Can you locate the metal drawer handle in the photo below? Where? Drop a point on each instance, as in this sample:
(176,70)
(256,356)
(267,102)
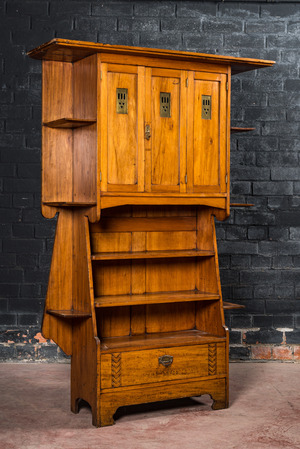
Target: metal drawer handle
(165,360)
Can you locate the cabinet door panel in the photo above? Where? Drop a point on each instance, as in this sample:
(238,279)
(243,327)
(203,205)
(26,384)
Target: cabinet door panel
(207,134)
(122,130)
(165,140)
(166,148)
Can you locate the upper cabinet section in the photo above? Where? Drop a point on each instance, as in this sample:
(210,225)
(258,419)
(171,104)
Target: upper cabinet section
(128,125)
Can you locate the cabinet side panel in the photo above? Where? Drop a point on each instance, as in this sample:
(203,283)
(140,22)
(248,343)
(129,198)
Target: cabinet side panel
(57,90)
(85,138)
(60,286)
(85,88)
(122,130)
(57,143)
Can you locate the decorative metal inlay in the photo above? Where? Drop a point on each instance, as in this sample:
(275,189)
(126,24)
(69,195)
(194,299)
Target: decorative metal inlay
(206,107)
(122,101)
(212,359)
(147,132)
(165,104)
(116,370)
(165,360)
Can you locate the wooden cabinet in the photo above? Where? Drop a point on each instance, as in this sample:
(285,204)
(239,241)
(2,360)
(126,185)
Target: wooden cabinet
(135,162)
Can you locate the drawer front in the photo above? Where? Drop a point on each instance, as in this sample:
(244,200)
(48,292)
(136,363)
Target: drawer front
(156,365)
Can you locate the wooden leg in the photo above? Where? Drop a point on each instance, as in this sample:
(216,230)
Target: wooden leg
(75,405)
(103,416)
(219,401)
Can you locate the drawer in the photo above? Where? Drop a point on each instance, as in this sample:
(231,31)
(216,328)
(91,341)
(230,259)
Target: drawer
(165,364)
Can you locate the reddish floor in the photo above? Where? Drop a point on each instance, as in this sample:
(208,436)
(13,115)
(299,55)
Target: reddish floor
(264,413)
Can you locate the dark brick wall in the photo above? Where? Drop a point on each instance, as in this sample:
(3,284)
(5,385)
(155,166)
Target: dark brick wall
(259,247)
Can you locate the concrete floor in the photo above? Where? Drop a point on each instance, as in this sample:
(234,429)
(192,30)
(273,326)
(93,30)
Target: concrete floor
(264,413)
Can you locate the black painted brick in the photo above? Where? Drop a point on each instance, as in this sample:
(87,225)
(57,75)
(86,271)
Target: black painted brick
(263,321)
(112,9)
(293,337)
(155,9)
(7,352)
(191,9)
(239,353)
(264,336)
(241,321)
(283,321)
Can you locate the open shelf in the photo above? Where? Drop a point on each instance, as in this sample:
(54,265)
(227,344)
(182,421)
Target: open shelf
(69,314)
(237,129)
(231,306)
(241,205)
(158,340)
(69,203)
(152,255)
(69,123)
(154,298)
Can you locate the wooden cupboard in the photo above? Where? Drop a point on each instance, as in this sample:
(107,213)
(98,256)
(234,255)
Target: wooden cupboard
(135,162)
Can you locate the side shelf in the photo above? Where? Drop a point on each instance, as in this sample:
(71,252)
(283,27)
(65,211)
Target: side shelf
(69,314)
(67,123)
(231,306)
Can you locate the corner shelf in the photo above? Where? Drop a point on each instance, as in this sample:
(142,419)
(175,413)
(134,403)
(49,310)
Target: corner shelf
(69,314)
(70,203)
(237,129)
(153,298)
(158,340)
(67,123)
(152,254)
(231,306)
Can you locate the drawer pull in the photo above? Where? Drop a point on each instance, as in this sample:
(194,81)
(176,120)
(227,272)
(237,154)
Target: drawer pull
(165,360)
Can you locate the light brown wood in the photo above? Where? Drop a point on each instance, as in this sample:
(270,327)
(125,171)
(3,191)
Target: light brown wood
(68,50)
(134,291)
(153,298)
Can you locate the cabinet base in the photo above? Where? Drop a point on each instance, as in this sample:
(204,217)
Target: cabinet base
(108,403)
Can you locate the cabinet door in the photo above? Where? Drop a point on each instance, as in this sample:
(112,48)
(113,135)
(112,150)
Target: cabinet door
(166,118)
(121,128)
(207,133)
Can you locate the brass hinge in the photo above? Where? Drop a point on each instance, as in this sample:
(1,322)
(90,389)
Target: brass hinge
(227,86)
(187,82)
(100,75)
(100,176)
(185,179)
(226,179)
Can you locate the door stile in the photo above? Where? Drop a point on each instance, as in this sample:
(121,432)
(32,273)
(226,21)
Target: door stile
(140,129)
(190,131)
(183,130)
(103,128)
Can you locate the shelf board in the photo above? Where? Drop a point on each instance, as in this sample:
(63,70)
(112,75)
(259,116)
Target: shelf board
(241,205)
(69,314)
(69,203)
(237,129)
(154,298)
(152,255)
(69,123)
(231,306)
(158,340)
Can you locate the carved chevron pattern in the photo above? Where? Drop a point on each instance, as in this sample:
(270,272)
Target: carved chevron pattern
(116,370)
(212,359)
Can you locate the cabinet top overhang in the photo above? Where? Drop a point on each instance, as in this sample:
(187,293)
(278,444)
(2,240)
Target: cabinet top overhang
(66,50)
